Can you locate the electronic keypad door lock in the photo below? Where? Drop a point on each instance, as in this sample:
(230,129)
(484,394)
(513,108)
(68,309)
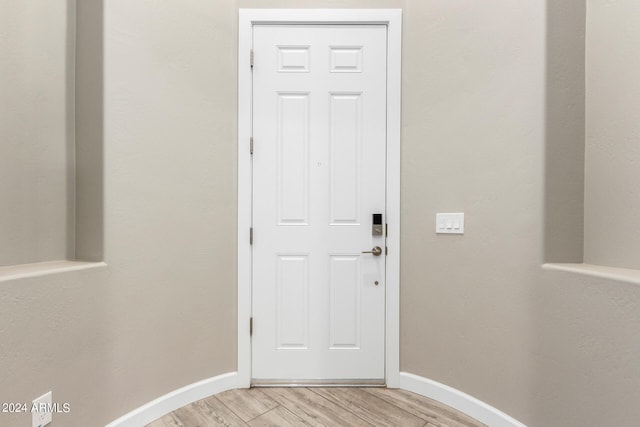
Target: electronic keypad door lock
(376,225)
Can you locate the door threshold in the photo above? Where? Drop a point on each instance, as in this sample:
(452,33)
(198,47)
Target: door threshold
(318,383)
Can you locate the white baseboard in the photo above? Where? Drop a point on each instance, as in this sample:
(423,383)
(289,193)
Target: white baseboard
(176,399)
(457,399)
(461,401)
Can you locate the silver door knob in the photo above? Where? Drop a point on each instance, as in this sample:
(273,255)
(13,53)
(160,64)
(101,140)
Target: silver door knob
(376,251)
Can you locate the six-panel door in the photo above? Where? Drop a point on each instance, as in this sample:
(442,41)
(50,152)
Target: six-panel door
(319,127)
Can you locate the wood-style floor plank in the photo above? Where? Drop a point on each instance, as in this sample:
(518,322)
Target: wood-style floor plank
(314,409)
(210,412)
(278,417)
(169,420)
(428,409)
(221,414)
(248,403)
(193,414)
(318,407)
(371,408)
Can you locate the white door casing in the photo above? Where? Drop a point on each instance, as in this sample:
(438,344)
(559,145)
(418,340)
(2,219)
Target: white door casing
(319,135)
(301,173)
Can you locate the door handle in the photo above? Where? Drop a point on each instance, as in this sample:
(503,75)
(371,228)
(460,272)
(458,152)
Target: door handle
(376,251)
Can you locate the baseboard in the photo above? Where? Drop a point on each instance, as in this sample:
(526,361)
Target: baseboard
(457,399)
(176,399)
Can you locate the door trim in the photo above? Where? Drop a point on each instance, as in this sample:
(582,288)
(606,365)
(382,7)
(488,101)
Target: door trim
(392,18)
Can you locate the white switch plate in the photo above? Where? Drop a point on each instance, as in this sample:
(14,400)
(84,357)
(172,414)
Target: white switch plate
(450,223)
(42,418)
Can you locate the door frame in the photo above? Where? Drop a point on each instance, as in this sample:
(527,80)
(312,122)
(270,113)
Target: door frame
(392,19)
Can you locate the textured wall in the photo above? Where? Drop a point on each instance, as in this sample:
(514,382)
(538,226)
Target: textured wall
(586,331)
(89,115)
(162,314)
(169,195)
(585,352)
(564,131)
(612,193)
(548,348)
(478,313)
(473,142)
(35,135)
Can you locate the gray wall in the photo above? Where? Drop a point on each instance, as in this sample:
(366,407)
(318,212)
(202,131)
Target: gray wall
(586,330)
(473,142)
(564,131)
(36,131)
(612,193)
(162,314)
(477,311)
(89,129)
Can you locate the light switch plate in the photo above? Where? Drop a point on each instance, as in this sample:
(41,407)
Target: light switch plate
(450,223)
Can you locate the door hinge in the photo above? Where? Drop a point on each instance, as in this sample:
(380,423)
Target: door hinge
(251,58)
(386,250)
(251,145)
(251,236)
(250,326)
(386,230)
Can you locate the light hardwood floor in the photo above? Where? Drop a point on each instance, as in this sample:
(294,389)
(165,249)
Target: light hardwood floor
(340,406)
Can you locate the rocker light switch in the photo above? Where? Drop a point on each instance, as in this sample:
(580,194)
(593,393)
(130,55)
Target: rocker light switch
(450,223)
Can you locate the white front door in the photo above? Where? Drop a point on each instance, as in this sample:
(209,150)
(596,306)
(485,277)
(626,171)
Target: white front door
(319,130)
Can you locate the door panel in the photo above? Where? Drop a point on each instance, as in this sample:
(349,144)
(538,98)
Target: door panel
(292,135)
(292,308)
(345,139)
(319,117)
(344,302)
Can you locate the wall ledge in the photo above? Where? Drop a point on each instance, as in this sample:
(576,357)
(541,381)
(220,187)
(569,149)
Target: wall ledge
(457,399)
(624,275)
(177,399)
(36,269)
